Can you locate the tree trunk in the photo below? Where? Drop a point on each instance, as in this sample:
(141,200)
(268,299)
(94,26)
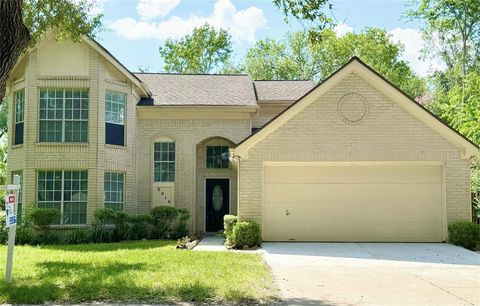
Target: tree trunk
(14,39)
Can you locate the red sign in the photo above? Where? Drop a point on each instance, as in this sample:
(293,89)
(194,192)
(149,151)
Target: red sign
(11,198)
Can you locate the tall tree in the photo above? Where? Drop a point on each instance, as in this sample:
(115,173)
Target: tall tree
(452,32)
(205,50)
(23,22)
(297,57)
(310,13)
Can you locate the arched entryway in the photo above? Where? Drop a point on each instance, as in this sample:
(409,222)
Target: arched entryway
(216,184)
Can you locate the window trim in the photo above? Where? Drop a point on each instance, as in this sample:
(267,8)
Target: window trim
(123,191)
(62,195)
(63,120)
(206,157)
(17,122)
(165,140)
(124,118)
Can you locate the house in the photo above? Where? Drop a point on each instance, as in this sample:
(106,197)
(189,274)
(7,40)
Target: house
(351,159)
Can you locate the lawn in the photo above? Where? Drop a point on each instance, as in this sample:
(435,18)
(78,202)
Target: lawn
(144,271)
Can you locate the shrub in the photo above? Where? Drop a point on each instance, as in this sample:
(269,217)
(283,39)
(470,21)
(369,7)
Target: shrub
(246,233)
(465,234)
(170,222)
(3,229)
(24,234)
(141,227)
(121,227)
(44,217)
(78,236)
(229,222)
(46,237)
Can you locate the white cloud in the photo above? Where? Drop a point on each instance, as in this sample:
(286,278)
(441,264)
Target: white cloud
(149,9)
(413,42)
(341,29)
(241,24)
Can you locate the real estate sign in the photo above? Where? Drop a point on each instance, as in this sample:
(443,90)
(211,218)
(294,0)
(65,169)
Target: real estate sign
(10,213)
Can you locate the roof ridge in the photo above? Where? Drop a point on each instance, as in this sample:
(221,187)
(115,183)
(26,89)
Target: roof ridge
(198,74)
(266,80)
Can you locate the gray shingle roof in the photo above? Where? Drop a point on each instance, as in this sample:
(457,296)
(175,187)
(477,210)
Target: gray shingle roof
(282,90)
(206,90)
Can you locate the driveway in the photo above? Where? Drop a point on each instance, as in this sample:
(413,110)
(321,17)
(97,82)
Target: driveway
(375,273)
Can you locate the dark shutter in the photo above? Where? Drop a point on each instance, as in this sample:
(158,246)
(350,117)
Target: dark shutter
(114,134)
(18,133)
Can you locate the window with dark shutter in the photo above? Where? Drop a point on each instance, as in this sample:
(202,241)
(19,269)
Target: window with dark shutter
(115,118)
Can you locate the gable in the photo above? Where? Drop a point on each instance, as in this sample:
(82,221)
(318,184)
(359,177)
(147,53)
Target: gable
(345,93)
(62,58)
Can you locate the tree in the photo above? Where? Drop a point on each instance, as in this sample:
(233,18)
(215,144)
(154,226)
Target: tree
(297,57)
(311,12)
(452,30)
(23,22)
(205,50)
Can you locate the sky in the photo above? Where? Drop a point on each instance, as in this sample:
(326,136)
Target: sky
(134,29)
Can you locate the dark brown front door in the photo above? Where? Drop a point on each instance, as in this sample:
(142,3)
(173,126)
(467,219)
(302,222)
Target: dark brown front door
(217,203)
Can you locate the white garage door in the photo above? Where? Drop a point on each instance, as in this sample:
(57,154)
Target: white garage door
(308,202)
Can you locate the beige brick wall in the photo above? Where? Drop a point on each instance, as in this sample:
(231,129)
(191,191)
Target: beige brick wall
(94,156)
(388,134)
(187,133)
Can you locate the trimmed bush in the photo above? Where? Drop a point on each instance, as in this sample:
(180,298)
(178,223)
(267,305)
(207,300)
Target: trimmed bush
(229,222)
(141,227)
(246,233)
(170,222)
(44,217)
(465,234)
(78,236)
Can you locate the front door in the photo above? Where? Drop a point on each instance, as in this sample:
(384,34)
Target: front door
(217,203)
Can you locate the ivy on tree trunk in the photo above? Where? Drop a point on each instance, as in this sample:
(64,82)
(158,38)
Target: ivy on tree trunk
(14,39)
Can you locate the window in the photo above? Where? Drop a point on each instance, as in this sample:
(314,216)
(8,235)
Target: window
(114,118)
(20,195)
(65,191)
(113,189)
(19,97)
(164,161)
(217,157)
(63,115)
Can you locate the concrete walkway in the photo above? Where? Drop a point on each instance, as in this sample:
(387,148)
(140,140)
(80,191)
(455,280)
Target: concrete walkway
(211,243)
(375,273)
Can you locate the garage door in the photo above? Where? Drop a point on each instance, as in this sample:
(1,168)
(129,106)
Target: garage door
(391,203)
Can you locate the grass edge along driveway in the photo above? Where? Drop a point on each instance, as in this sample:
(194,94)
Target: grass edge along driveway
(141,271)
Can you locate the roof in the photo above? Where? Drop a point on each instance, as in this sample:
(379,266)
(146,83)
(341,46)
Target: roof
(355,65)
(198,89)
(268,90)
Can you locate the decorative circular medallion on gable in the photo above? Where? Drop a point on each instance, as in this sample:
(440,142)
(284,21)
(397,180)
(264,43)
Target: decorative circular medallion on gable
(353,108)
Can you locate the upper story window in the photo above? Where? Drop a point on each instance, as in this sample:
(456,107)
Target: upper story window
(19,97)
(217,157)
(114,118)
(164,161)
(66,191)
(63,115)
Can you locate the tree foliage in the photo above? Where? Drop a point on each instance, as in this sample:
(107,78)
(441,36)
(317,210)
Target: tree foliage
(297,57)
(452,35)
(23,22)
(310,13)
(205,50)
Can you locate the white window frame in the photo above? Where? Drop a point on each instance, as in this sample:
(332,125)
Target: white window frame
(160,161)
(62,195)
(121,193)
(63,110)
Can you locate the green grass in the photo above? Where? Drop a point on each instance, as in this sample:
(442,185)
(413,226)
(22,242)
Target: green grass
(144,271)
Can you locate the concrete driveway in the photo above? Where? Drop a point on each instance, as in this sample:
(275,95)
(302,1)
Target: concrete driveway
(375,273)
